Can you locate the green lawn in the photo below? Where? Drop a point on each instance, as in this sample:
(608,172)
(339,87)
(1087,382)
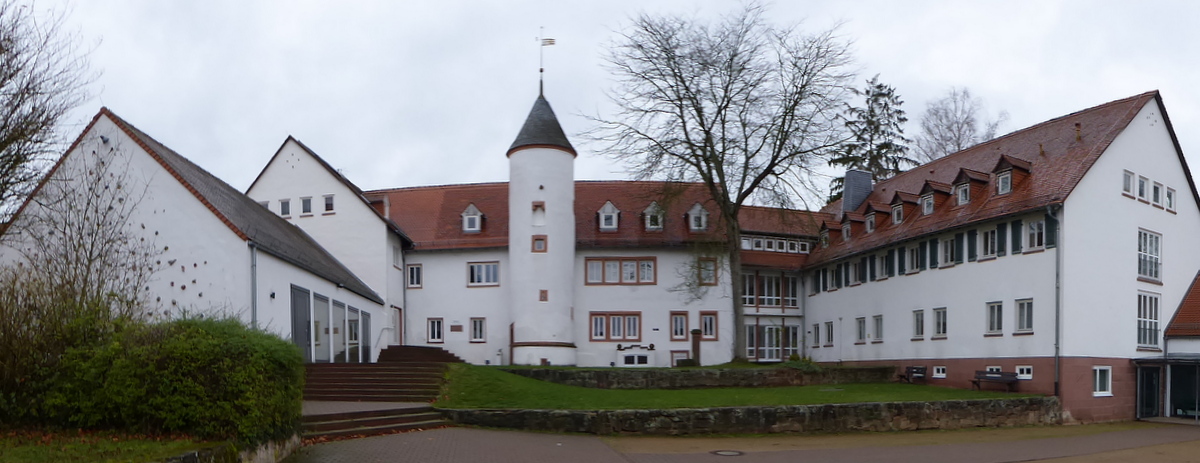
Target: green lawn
(470,386)
(102,447)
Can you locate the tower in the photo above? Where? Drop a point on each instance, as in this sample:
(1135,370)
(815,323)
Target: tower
(541,240)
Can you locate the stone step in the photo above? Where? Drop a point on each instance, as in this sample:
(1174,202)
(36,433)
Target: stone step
(369,422)
(340,416)
(316,391)
(351,396)
(350,382)
(372,430)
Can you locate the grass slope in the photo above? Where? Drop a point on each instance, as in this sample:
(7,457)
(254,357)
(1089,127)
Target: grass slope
(470,386)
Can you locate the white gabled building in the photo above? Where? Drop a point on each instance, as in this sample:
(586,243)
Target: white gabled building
(222,254)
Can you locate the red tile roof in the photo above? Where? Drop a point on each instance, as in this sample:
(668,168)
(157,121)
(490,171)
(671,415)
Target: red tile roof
(432,216)
(1186,321)
(1056,153)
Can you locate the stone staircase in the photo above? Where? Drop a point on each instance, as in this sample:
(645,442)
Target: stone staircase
(371,422)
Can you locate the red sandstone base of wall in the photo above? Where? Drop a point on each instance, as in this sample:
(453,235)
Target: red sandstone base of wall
(1075,391)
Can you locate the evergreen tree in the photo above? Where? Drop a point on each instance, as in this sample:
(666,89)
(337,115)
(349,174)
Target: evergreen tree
(877,144)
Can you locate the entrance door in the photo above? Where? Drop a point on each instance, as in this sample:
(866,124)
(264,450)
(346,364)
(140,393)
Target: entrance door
(301,324)
(771,344)
(1148,391)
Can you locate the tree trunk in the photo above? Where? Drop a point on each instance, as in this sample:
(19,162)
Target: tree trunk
(733,234)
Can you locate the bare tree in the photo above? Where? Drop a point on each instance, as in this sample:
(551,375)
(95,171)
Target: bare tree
(43,76)
(951,124)
(745,107)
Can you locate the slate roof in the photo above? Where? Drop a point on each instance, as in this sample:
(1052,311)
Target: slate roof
(1186,321)
(432,216)
(1056,153)
(245,217)
(340,178)
(541,129)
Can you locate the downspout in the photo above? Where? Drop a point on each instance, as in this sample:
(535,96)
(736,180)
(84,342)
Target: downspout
(253,285)
(1057,300)
(803,296)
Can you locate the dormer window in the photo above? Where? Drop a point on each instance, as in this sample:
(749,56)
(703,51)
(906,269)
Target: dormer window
(654,217)
(870,223)
(1004,182)
(963,193)
(846,231)
(472,220)
(609,214)
(824,238)
(927,204)
(897,214)
(697,218)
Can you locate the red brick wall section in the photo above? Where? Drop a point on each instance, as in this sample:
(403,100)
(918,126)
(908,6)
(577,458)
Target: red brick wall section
(1078,403)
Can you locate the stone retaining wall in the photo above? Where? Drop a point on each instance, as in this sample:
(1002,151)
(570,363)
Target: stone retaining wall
(662,378)
(270,452)
(894,416)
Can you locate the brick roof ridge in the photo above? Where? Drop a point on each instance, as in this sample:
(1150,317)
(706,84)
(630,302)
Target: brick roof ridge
(443,186)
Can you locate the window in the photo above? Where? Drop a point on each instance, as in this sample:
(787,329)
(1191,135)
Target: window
(939,372)
(539,243)
(853,273)
(266,204)
(992,369)
(1147,319)
(816,335)
(914,259)
(861,323)
(1149,264)
(878,321)
(608,216)
(1036,234)
(697,218)
(995,317)
(948,252)
(1171,199)
(846,231)
(1156,194)
(328,203)
(1024,371)
(415,279)
(397,257)
(433,332)
(679,326)
(1127,183)
(635,359)
(824,238)
(285,207)
(708,271)
(791,291)
(708,326)
(828,333)
(1024,315)
(472,220)
(988,243)
(897,214)
(483,274)
(749,289)
(882,266)
(1102,381)
(478,330)
(306,205)
(870,223)
(927,204)
(616,326)
(963,193)
(654,217)
(939,322)
(918,324)
(620,271)
(1004,183)
(770,290)
(1143,186)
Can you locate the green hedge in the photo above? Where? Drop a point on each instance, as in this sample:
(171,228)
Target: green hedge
(213,379)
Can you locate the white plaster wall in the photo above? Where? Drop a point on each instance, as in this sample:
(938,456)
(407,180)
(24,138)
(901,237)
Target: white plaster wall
(353,233)
(655,302)
(276,276)
(395,297)
(445,295)
(1189,345)
(1100,231)
(545,175)
(964,290)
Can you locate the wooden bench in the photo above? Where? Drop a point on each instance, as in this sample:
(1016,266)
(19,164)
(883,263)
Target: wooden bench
(1009,378)
(912,373)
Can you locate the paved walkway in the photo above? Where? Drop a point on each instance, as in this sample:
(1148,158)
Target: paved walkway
(465,444)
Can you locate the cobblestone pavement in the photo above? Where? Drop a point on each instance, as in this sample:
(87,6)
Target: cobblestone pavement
(480,445)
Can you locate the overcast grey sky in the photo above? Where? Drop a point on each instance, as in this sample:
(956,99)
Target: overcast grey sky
(408,93)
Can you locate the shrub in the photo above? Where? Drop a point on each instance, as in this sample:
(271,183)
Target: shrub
(804,364)
(214,379)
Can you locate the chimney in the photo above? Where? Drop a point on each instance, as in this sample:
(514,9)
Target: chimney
(857,187)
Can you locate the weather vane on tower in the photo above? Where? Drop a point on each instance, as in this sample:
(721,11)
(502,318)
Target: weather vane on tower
(545,42)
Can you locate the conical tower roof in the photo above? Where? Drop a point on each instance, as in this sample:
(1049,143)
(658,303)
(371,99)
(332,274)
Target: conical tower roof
(541,129)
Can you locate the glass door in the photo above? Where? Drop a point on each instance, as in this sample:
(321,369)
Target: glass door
(1148,391)
(771,343)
